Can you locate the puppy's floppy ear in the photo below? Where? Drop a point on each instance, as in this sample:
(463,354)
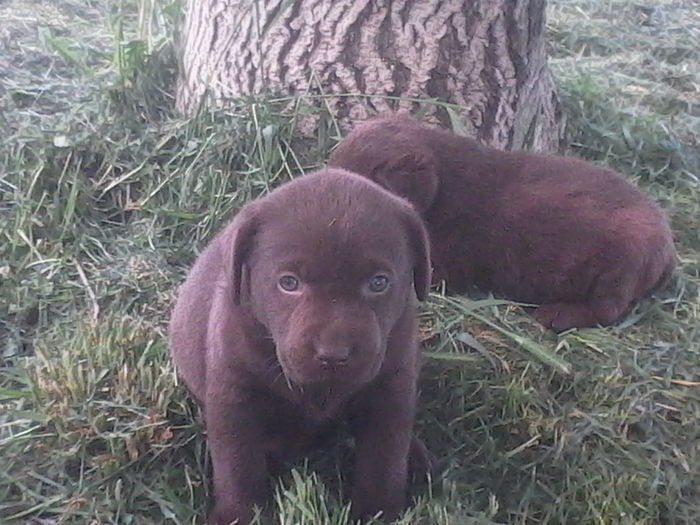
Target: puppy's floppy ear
(420,249)
(413,176)
(241,242)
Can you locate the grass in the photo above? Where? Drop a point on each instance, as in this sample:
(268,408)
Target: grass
(106,196)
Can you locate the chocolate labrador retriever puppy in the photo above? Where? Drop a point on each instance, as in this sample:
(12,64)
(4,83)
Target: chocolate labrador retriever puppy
(301,311)
(575,239)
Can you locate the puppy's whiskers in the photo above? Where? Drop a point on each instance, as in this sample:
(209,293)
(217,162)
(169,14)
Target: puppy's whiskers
(289,382)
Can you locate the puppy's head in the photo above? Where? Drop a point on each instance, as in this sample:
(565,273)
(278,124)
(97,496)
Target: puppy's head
(328,264)
(392,151)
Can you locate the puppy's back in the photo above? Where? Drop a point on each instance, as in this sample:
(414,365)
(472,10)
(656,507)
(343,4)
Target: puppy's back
(536,228)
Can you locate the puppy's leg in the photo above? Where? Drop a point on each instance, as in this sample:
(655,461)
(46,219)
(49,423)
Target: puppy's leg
(562,316)
(238,461)
(421,461)
(598,311)
(383,428)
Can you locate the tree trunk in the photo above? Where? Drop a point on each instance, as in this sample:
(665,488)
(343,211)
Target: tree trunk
(485,56)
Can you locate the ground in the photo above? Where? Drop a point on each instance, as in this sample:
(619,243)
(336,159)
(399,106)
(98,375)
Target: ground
(105,197)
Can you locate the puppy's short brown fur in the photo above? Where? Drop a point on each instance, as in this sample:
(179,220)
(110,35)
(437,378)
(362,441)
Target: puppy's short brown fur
(576,239)
(303,310)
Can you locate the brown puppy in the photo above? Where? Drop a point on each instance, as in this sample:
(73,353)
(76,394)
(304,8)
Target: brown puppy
(577,240)
(303,310)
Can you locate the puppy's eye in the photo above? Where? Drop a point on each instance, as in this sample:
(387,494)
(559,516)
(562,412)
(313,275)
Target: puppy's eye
(288,283)
(378,283)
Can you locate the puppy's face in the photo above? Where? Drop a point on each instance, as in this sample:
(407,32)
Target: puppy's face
(329,277)
(329,308)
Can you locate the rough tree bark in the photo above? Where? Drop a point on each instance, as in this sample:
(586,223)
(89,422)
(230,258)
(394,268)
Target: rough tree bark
(487,56)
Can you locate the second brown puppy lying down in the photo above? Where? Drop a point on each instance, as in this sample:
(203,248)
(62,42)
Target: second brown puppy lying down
(576,239)
(302,311)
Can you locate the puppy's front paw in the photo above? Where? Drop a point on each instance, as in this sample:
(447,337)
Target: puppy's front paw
(227,515)
(562,316)
(368,501)
(362,513)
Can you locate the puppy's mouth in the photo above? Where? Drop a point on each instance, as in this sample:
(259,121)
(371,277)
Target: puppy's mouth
(314,373)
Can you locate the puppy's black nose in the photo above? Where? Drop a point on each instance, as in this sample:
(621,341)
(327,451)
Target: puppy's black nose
(333,356)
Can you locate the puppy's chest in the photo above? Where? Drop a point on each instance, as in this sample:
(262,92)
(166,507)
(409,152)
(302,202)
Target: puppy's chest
(291,428)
